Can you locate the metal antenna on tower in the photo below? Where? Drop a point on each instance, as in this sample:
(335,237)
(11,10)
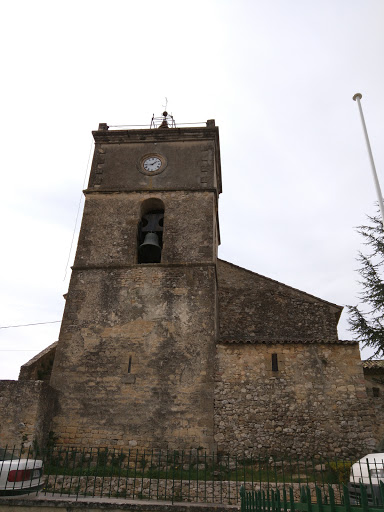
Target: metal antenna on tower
(357,97)
(166,121)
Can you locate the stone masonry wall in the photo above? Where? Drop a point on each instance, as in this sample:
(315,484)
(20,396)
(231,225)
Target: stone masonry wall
(374,383)
(202,491)
(108,235)
(191,164)
(316,403)
(25,411)
(377,403)
(253,307)
(135,359)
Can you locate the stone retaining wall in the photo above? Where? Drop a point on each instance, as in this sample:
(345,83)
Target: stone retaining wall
(224,492)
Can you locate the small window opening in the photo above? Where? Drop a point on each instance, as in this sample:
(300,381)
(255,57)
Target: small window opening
(376,391)
(129,364)
(275,366)
(150,237)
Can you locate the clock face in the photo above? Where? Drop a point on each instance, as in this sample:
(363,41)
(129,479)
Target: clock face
(151,164)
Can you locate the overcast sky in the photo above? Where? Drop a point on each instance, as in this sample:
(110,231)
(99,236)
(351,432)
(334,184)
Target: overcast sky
(277,75)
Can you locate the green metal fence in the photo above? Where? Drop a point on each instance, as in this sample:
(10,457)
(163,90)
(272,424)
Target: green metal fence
(273,501)
(258,483)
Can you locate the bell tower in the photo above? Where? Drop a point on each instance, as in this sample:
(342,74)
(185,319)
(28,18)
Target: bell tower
(134,365)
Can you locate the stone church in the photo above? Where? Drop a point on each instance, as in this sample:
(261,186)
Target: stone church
(162,344)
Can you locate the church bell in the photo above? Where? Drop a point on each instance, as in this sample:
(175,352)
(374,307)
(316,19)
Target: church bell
(150,250)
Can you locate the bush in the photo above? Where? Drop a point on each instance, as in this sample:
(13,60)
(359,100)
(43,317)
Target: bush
(338,472)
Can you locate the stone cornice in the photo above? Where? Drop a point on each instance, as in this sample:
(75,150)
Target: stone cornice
(119,266)
(148,135)
(145,191)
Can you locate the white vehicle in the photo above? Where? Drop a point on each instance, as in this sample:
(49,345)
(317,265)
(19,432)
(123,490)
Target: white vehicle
(368,471)
(19,476)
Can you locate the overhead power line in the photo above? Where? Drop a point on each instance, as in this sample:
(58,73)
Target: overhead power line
(78,211)
(27,325)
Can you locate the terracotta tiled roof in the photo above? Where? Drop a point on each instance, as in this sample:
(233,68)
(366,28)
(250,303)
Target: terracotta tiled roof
(373,363)
(282,341)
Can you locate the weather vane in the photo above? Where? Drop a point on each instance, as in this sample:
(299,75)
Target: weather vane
(166,103)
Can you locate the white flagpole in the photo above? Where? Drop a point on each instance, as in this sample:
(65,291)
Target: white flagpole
(357,97)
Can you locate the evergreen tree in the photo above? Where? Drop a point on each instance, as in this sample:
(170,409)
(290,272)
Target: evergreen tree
(369,326)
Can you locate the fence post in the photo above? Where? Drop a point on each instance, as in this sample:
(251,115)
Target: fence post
(242,499)
(347,501)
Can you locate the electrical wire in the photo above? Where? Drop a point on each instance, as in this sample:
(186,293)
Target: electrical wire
(78,211)
(66,268)
(27,325)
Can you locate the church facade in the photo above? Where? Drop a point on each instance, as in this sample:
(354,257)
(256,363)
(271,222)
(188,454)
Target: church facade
(163,345)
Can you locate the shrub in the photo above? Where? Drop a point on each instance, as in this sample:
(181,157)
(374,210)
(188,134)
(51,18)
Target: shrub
(338,472)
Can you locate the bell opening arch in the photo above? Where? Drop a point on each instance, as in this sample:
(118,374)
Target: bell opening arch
(150,231)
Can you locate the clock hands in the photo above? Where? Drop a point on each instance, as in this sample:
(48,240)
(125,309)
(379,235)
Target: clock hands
(152,164)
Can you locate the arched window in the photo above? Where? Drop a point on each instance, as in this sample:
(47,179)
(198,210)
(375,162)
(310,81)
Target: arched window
(150,232)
